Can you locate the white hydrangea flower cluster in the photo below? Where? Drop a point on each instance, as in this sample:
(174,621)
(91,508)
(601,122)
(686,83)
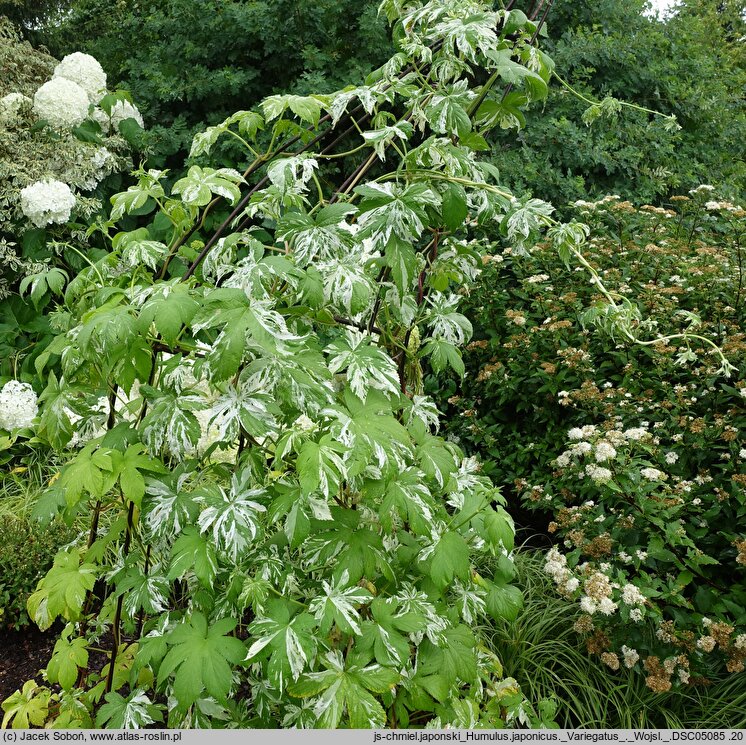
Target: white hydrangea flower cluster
(18,405)
(84,70)
(62,103)
(46,202)
(119,112)
(11,105)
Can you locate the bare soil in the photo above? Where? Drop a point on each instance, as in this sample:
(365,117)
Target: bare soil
(22,654)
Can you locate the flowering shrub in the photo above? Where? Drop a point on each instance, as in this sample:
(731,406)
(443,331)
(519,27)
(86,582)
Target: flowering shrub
(636,450)
(270,508)
(56,165)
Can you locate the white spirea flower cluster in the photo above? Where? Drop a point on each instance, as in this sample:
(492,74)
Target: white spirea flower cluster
(18,406)
(62,103)
(631,595)
(653,474)
(599,474)
(84,70)
(605,451)
(556,567)
(630,656)
(46,202)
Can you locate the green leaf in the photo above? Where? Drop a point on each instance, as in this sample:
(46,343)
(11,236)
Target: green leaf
(450,559)
(63,590)
(385,634)
(499,528)
(193,551)
(129,468)
(67,657)
(453,207)
(200,659)
(320,467)
(27,706)
(505,602)
(442,355)
(436,458)
(132,132)
(455,660)
(170,307)
(86,472)
(306,108)
(199,185)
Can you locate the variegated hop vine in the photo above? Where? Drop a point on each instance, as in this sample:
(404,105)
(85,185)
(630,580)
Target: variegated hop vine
(276,535)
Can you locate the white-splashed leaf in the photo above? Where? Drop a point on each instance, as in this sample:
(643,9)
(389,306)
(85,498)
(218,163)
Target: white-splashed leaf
(338,604)
(200,184)
(367,366)
(232,516)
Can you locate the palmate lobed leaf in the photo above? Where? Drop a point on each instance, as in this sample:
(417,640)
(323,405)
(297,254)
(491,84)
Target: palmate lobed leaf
(290,640)
(28,706)
(63,590)
(340,689)
(200,184)
(133,712)
(67,657)
(200,659)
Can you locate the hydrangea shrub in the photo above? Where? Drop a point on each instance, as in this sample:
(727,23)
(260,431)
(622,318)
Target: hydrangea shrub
(57,164)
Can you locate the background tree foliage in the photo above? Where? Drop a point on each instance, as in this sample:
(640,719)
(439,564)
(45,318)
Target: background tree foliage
(197,61)
(691,66)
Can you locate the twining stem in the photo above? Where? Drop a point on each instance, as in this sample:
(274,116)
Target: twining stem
(591,102)
(116,626)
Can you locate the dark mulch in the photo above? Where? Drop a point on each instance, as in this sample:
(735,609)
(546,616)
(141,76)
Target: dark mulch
(22,655)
